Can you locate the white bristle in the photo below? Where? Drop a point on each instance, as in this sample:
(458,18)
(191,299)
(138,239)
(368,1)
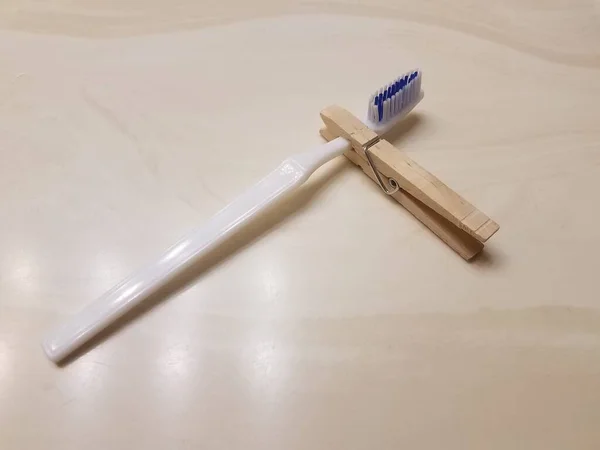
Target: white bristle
(397,103)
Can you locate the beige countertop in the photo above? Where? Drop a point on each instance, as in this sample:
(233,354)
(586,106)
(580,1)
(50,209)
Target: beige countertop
(337,321)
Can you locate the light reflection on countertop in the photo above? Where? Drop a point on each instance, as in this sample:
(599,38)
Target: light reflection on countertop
(6,365)
(21,269)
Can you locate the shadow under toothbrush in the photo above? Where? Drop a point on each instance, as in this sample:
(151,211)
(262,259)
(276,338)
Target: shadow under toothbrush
(271,218)
(276,215)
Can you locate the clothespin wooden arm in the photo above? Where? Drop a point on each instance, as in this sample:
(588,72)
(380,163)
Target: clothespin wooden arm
(458,223)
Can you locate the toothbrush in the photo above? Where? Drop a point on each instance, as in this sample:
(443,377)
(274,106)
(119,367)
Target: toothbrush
(386,107)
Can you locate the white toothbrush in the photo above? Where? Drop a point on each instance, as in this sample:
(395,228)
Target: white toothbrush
(386,107)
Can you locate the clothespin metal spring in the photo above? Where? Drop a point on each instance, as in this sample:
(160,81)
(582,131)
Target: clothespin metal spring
(379,176)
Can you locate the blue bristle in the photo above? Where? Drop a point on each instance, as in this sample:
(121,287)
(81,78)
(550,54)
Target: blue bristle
(392,94)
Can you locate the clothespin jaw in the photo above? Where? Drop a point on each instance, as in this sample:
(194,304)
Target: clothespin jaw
(454,220)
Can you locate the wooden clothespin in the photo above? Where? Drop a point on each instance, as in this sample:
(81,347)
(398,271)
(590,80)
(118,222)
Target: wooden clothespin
(453,219)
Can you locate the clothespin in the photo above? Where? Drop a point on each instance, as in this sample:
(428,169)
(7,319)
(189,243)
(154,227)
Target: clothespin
(453,219)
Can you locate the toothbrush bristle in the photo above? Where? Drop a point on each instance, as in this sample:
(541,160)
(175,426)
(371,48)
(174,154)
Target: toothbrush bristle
(393,98)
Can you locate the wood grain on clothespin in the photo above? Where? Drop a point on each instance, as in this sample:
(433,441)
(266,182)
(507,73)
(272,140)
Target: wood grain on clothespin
(453,219)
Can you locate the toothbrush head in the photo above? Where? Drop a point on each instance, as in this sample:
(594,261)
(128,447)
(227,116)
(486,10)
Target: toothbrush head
(394,100)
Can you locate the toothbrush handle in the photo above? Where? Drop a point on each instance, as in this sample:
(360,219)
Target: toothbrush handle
(135,289)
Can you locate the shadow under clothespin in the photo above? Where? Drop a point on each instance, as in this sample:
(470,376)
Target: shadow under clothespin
(452,218)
